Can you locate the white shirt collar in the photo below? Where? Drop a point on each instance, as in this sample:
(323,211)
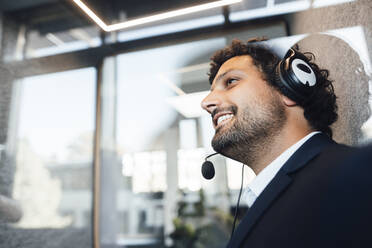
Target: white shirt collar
(259,183)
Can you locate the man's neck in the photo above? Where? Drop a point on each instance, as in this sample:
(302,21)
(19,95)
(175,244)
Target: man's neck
(274,147)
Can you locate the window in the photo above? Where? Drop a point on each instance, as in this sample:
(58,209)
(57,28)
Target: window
(52,175)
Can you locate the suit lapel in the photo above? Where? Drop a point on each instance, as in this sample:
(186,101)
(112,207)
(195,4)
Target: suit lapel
(280,182)
(277,185)
(306,152)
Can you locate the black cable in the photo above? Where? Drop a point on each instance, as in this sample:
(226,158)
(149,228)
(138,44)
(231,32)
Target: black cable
(210,155)
(237,205)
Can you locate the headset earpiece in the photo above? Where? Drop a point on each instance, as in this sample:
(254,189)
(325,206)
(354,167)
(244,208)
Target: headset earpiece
(295,77)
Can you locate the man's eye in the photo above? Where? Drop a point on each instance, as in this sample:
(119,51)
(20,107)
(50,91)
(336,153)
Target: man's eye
(230,81)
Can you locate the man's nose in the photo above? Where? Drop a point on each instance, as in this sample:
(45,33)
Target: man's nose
(210,102)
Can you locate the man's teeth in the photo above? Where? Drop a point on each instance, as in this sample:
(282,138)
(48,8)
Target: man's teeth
(223,117)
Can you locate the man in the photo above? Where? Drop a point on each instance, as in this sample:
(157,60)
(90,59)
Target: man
(305,193)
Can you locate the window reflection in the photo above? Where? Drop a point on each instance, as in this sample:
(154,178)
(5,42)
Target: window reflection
(162,138)
(189,161)
(39,45)
(53,162)
(147,171)
(257,9)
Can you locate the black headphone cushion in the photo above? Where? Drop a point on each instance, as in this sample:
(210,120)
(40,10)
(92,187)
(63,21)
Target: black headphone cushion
(283,89)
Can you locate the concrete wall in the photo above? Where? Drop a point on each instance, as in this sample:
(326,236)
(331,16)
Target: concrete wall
(340,56)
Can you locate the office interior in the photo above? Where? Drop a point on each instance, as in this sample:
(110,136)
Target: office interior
(102,135)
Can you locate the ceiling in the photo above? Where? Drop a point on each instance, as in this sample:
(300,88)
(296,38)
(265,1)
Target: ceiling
(6,5)
(50,16)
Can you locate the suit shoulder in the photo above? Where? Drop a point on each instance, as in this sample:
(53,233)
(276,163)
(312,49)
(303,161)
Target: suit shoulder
(352,166)
(335,153)
(358,159)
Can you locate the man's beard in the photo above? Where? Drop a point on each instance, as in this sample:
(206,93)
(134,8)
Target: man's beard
(253,129)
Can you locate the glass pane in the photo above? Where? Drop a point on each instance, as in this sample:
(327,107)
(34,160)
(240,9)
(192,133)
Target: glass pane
(152,188)
(178,24)
(247,10)
(246,5)
(160,137)
(154,141)
(52,167)
(284,1)
(39,45)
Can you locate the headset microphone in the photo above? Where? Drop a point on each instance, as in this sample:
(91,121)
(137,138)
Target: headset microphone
(208,168)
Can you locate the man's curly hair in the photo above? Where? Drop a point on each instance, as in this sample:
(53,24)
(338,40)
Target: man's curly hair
(320,109)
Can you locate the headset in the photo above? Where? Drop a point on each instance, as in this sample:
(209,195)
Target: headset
(295,77)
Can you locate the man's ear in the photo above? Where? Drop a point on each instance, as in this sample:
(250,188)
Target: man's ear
(288,102)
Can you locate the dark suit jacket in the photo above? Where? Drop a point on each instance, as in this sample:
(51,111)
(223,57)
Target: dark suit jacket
(321,197)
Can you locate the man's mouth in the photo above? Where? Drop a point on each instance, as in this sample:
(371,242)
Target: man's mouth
(221,118)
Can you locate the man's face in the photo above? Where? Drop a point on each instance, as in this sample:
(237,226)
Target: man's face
(246,112)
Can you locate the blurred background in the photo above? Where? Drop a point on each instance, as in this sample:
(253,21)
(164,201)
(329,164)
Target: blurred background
(101,132)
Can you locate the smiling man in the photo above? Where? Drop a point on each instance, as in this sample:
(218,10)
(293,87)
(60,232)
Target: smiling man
(274,116)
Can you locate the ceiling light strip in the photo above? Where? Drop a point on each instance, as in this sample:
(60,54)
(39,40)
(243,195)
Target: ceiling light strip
(153,18)
(170,14)
(91,14)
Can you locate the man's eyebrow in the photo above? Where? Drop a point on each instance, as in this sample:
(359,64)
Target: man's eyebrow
(222,75)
